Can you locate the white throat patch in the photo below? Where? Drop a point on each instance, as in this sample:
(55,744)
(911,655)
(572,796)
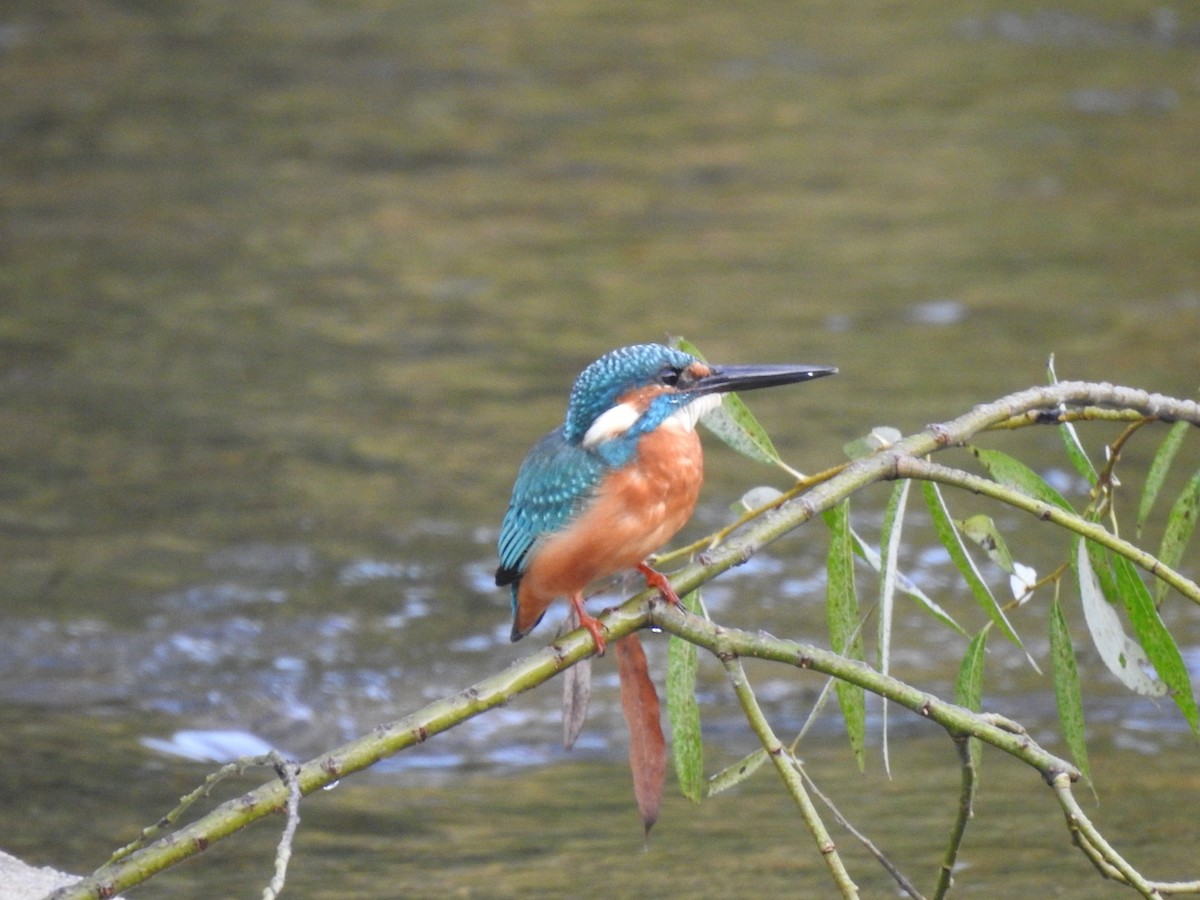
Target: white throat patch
(687,417)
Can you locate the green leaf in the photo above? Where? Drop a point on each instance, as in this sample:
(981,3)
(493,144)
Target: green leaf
(845,634)
(1123,656)
(1160,647)
(1159,467)
(687,749)
(734,424)
(737,773)
(1178,532)
(950,539)
(968,689)
(982,530)
(1013,473)
(1067,691)
(1075,452)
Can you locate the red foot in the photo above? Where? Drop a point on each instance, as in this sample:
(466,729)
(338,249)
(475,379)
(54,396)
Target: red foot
(590,623)
(658,580)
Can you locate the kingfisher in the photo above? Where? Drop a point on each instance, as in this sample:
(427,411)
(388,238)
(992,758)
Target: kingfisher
(618,478)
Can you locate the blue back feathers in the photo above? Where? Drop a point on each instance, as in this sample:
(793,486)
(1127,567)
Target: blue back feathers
(560,475)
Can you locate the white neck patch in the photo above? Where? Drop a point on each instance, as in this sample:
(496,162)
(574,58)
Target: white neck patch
(611,423)
(616,421)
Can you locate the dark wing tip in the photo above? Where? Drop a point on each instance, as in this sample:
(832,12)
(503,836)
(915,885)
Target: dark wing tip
(507,575)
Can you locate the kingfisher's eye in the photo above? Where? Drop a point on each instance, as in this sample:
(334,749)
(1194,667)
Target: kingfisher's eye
(669,375)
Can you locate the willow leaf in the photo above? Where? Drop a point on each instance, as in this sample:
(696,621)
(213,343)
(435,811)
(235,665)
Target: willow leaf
(734,424)
(948,534)
(687,750)
(1123,656)
(1157,473)
(889,540)
(1067,691)
(968,689)
(737,773)
(982,530)
(647,746)
(1013,473)
(1156,640)
(841,607)
(1178,532)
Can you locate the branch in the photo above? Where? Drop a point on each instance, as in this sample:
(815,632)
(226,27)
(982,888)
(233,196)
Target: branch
(535,669)
(791,776)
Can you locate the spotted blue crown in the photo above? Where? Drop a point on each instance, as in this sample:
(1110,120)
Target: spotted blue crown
(600,386)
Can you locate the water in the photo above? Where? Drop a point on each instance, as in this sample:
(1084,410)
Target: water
(286,293)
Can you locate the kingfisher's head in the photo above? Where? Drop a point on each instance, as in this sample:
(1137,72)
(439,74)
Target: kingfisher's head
(631,391)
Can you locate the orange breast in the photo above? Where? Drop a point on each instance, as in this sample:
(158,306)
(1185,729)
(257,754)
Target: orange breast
(637,510)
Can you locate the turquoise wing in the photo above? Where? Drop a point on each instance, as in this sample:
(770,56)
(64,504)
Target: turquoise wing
(555,481)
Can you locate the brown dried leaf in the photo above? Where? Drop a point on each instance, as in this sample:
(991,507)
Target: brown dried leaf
(647,746)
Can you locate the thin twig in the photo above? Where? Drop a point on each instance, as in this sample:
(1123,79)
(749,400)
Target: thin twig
(892,869)
(283,852)
(789,774)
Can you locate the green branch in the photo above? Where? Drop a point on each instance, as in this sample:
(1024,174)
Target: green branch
(791,776)
(1036,405)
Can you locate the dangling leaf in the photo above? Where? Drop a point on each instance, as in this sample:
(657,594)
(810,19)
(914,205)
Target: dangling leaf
(1179,528)
(687,750)
(1014,474)
(982,530)
(1067,690)
(577,689)
(647,747)
(1123,656)
(1159,467)
(948,535)
(889,541)
(841,607)
(736,773)
(968,689)
(1075,452)
(1160,647)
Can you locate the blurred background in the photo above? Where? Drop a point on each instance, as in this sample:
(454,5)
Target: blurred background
(288,289)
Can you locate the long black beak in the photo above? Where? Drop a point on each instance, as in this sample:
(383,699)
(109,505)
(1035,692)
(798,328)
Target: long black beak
(748,378)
